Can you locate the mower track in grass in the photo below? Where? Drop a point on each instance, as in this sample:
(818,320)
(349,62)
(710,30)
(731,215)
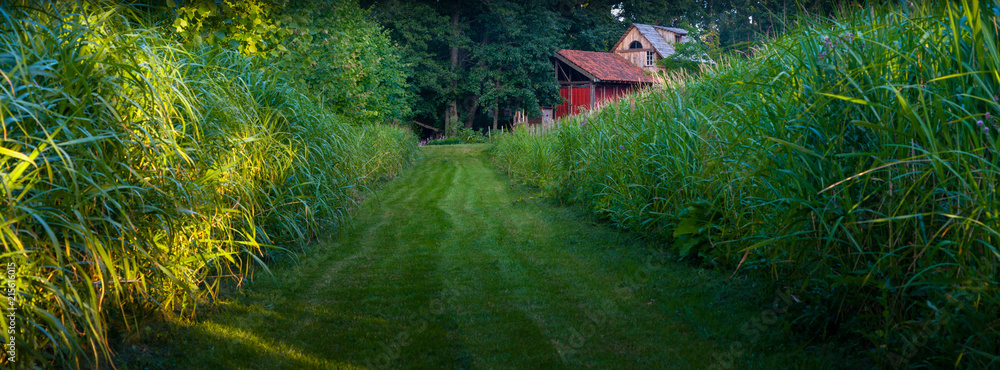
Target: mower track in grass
(450,266)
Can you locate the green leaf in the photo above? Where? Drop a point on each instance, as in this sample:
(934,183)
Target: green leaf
(794,146)
(847,98)
(180,24)
(954,75)
(16,154)
(687,246)
(204,10)
(688,226)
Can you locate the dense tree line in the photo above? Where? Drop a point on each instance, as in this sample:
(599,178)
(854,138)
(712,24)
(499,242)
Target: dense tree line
(469,60)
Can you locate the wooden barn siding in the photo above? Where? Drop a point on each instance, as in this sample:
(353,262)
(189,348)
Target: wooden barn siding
(667,35)
(637,57)
(632,35)
(575,99)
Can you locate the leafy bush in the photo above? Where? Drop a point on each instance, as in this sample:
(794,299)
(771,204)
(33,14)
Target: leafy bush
(450,141)
(463,136)
(688,56)
(857,160)
(138,175)
(470,136)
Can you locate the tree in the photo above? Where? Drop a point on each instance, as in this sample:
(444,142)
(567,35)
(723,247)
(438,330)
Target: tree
(509,57)
(337,53)
(590,25)
(423,34)
(466,56)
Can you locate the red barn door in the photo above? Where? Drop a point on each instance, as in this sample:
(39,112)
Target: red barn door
(581,98)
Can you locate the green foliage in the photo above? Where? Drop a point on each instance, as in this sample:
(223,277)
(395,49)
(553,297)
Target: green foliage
(590,25)
(462,136)
(688,56)
(510,64)
(856,160)
(138,175)
(345,59)
(336,53)
(247,25)
(470,136)
(422,34)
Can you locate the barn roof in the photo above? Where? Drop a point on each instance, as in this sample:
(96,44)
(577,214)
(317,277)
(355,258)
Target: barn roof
(679,31)
(609,67)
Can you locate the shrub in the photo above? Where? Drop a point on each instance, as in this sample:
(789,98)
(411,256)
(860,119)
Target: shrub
(470,136)
(463,136)
(449,141)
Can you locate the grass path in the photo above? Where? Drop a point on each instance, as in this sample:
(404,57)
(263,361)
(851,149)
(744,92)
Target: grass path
(453,267)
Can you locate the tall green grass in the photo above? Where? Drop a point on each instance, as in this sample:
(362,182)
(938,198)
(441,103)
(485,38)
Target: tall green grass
(857,159)
(137,175)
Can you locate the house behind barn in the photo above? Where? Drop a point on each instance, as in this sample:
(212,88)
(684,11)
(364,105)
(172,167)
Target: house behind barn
(643,45)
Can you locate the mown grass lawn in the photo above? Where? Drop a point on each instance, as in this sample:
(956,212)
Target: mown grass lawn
(451,266)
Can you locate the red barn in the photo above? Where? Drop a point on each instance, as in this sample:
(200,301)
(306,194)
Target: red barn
(589,78)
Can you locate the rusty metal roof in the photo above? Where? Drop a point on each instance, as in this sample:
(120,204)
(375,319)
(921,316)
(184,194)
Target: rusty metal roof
(609,67)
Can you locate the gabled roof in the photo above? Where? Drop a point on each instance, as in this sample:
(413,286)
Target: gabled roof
(608,67)
(663,47)
(679,31)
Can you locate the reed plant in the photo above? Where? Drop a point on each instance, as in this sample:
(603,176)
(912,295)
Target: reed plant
(855,159)
(139,174)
